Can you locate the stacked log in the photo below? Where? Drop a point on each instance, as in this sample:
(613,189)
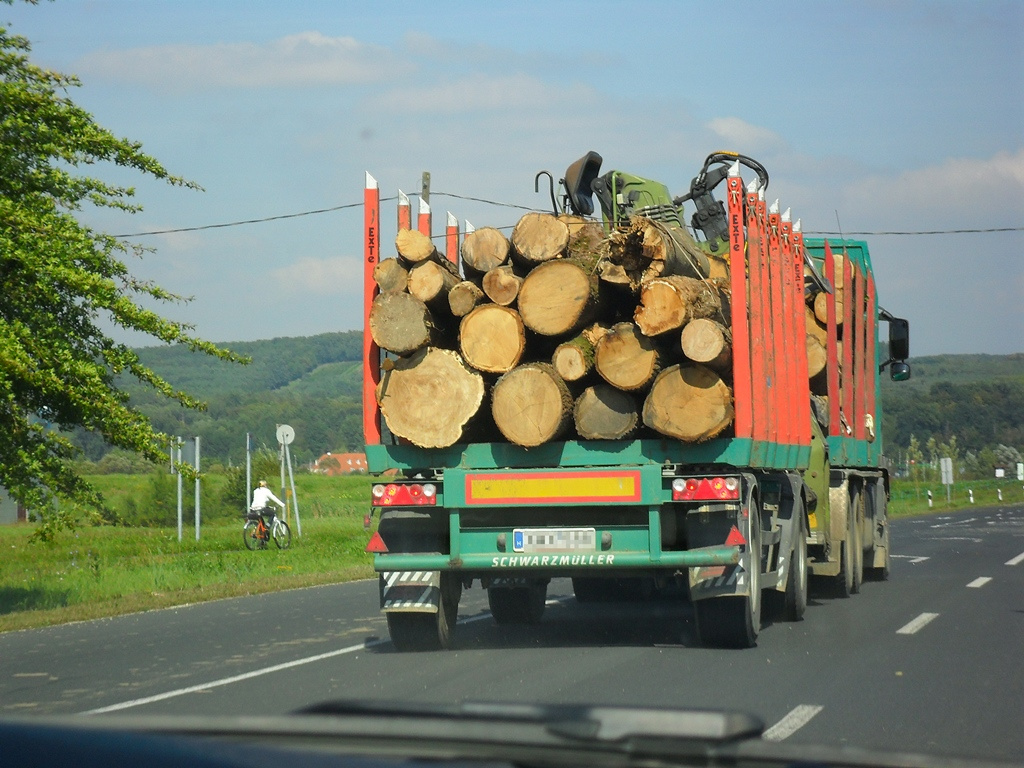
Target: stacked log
(559,332)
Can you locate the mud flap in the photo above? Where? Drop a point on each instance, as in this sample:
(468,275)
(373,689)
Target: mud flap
(410,591)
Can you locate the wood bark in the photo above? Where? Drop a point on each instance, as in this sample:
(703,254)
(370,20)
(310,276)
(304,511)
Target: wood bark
(691,403)
(492,338)
(668,303)
(574,359)
(558,297)
(464,297)
(531,405)
(414,246)
(401,323)
(391,276)
(626,358)
(430,398)
(707,342)
(484,249)
(430,282)
(502,285)
(646,249)
(539,237)
(603,412)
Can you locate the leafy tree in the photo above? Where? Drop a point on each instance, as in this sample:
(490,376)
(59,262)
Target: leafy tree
(62,283)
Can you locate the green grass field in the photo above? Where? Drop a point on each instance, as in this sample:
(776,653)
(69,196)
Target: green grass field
(100,571)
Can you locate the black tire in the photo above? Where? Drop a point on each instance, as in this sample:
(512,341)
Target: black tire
(734,621)
(250,535)
(795,601)
(857,507)
(881,573)
(428,631)
(844,581)
(518,605)
(282,535)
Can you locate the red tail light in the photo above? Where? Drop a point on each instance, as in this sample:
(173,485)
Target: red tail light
(706,489)
(404,495)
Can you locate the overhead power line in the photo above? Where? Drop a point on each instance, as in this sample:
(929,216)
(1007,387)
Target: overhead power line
(332,209)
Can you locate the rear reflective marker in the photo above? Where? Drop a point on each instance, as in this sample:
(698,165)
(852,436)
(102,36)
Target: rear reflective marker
(734,538)
(376,544)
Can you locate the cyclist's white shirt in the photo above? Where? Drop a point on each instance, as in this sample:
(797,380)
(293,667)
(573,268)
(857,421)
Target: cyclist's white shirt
(261,497)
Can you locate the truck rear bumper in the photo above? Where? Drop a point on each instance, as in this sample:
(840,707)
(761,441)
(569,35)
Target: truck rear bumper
(558,562)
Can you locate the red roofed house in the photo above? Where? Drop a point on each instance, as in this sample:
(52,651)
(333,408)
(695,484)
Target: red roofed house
(340,463)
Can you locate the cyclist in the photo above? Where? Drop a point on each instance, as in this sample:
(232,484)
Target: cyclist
(261,498)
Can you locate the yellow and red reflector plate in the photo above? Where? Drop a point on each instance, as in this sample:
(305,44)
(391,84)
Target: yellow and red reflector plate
(583,487)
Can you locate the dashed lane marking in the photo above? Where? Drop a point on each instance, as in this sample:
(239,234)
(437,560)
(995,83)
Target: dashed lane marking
(913,560)
(791,723)
(981,581)
(913,626)
(1016,560)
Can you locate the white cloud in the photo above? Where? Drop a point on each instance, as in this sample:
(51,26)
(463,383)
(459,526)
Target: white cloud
(328,276)
(304,59)
(957,193)
(480,92)
(744,137)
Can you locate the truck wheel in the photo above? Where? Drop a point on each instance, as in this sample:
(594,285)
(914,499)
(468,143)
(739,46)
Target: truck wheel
(518,605)
(844,583)
(428,631)
(857,506)
(734,621)
(796,586)
(881,572)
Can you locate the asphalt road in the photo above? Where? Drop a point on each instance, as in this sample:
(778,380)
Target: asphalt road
(929,661)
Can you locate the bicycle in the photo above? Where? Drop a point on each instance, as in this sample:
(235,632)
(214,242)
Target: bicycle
(256,533)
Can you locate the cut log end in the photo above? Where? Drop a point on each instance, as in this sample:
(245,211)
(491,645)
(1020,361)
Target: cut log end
(540,237)
(430,398)
(531,405)
(690,403)
(492,338)
(605,413)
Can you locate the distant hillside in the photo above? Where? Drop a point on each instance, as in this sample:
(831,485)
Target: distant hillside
(313,383)
(302,364)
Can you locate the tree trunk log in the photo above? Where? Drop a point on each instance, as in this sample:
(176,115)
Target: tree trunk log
(690,403)
(401,323)
(391,276)
(707,342)
(821,307)
(814,327)
(531,405)
(558,297)
(492,338)
(647,249)
(626,358)
(484,249)
(668,303)
(817,357)
(539,237)
(464,297)
(414,246)
(502,285)
(430,282)
(603,412)
(430,398)
(574,359)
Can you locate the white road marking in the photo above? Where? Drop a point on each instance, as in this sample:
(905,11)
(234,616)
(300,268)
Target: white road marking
(1016,560)
(981,581)
(913,626)
(267,670)
(791,723)
(913,560)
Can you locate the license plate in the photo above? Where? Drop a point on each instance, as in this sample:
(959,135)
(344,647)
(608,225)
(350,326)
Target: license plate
(554,540)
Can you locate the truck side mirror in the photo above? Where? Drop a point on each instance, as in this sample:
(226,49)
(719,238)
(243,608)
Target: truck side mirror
(899,348)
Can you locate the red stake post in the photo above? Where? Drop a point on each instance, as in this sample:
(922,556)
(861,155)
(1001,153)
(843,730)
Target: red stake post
(371,352)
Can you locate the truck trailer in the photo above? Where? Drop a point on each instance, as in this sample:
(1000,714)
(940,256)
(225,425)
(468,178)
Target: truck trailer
(791,484)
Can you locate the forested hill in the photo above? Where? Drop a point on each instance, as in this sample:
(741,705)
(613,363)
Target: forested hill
(313,384)
(308,363)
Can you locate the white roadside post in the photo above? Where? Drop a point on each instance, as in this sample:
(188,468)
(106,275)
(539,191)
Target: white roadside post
(197,487)
(946,467)
(285,436)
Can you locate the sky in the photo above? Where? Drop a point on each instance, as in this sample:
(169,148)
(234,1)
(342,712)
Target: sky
(871,117)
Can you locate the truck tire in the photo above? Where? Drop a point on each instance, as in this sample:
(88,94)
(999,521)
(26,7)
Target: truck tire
(851,553)
(881,512)
(795,601)
(734,621)
(857,506)
(518,605)
(428,631)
